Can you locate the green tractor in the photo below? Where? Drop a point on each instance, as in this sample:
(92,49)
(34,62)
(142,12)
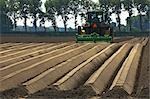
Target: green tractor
(96,29)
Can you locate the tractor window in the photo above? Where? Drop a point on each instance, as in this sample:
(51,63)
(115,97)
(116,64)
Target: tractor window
(99,17)
(94,16)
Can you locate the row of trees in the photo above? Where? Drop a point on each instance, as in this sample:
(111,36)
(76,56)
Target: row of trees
(141,5)
(26,9)
(32,8)
(116,6)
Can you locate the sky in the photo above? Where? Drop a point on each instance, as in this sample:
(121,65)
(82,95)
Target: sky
(123,16)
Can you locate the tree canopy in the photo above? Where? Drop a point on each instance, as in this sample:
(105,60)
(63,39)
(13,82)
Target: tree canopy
(25,9)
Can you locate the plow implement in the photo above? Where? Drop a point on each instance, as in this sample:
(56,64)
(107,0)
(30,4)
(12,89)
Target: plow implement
(93,38)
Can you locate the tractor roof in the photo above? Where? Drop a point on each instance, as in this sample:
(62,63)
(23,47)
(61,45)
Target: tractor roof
(92,12)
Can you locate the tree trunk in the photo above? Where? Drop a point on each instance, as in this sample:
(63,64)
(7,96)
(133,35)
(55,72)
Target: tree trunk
(130,20)
(44,28)
(65,26)
(15,22)
(130,23)
(54,28)
(75,22)
(25,23)
(54,25)
(141,26)
(35,26)
(147,13)
(119,22)
(119,11)
(34,22)
(103,16)
(65,23)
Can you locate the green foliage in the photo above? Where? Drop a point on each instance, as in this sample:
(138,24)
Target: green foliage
(129,5)
(51,12)
(141,7)
(3,7)
(34,9)
(24,11)
(88,5)
(13,7)
(5,23)
(75,9)
(134,30)
(62,8)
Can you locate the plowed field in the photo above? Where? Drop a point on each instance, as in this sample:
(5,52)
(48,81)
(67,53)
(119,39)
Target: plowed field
(75,70)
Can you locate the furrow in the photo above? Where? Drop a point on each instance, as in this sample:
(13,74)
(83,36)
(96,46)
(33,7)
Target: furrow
(141,40)
(13,47)
(19,48)
(29,55)
(9,45)
(100,80)
(33,47)
(123,83)
(135,40)
(131,41)
(145,41)
(81,73)
(16,78)
(52,51)
(53,74)
(4,44)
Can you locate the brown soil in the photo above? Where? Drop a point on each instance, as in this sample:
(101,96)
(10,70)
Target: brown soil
(141,87)
(142,83)
(35,39)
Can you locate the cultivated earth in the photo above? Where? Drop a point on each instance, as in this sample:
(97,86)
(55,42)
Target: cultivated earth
(69,70)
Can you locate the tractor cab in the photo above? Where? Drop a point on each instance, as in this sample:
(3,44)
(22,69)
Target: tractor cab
(95,29)
(94,17)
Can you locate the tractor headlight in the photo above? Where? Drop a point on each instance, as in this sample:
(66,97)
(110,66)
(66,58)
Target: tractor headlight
(83,31)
